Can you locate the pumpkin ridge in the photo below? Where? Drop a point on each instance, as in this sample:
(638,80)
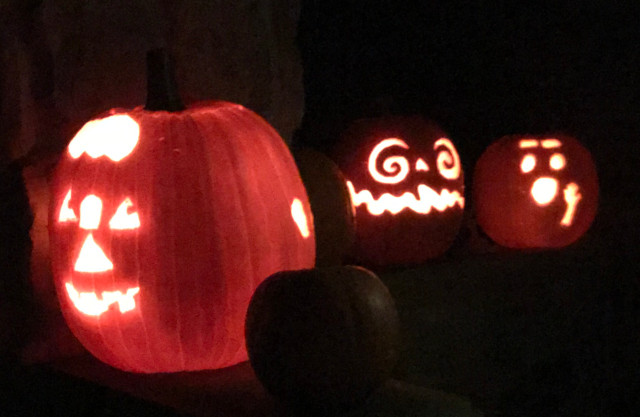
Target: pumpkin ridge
(222,152)
(125,347)
(140,319)
(199,150)
(225,156)
(176,299)
(103,331)
(241,116)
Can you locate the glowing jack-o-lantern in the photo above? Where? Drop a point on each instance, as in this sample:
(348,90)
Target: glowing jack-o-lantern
(407,187)
(163,223)
(535,192)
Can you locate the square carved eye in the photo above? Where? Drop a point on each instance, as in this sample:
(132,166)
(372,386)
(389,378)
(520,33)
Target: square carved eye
(122,219)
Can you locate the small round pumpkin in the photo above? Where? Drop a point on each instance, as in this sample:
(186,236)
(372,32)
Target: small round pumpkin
(333,213)
(322,338)
(164,220)
(535,191)
(407,186)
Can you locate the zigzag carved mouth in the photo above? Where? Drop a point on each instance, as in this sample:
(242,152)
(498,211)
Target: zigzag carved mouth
(426,199)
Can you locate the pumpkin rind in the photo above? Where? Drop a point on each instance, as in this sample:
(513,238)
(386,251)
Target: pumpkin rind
(213,186)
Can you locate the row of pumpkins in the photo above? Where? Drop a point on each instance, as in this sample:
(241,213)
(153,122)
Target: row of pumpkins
(164,219)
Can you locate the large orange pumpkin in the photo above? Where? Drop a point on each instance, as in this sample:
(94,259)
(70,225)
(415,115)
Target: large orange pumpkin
(162,225)
(407,187)
(535,191)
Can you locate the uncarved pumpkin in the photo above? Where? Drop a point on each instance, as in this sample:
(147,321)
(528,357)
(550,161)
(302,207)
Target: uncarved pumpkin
(535,191)
(322,339)
(407,186)
(162,225)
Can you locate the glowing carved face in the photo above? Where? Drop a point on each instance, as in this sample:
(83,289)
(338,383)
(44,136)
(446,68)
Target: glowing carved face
(396,169)
(545,189)
(114,137)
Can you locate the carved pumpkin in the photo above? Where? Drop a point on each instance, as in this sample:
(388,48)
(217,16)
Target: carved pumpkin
(535,192)
(333,215)
(407,186)
(322,338)
(162,225)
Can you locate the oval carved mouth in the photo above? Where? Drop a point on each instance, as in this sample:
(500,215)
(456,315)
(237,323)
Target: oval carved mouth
(544,190)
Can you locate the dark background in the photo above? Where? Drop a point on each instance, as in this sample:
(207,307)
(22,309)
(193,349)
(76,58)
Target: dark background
(519,333)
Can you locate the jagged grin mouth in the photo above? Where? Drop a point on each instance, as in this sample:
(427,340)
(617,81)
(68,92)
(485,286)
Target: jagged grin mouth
(92,304)
(422,202)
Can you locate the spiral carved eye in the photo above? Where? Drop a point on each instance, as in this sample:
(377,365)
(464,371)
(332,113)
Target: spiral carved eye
(448,161)
(396,167)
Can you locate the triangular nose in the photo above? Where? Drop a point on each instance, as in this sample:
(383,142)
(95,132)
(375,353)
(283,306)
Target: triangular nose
(92,258)
(421,165)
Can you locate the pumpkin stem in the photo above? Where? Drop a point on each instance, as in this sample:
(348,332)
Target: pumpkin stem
(162,90)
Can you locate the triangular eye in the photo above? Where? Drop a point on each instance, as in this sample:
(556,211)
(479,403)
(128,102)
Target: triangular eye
(123,220)
(66,213)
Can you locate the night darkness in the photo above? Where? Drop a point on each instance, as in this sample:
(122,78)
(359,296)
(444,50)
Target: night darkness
(546,333)
(530,333)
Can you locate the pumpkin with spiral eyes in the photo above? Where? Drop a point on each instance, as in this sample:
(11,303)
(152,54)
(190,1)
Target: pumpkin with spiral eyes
(407,187)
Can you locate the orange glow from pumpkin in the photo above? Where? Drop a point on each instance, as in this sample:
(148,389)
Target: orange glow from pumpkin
(89,303)
(528,143)
(90,212)
(300,218)
(551,143)
(571,196)
(544,190)
(528,163)
(557,161)
(92,258)
(427,199)
(66,213)
(114,137)
(397,166)
(122,219)
(448,161)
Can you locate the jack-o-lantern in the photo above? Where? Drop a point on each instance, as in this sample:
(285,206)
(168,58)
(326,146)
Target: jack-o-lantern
(164,222)
(407,187)
(535,192)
